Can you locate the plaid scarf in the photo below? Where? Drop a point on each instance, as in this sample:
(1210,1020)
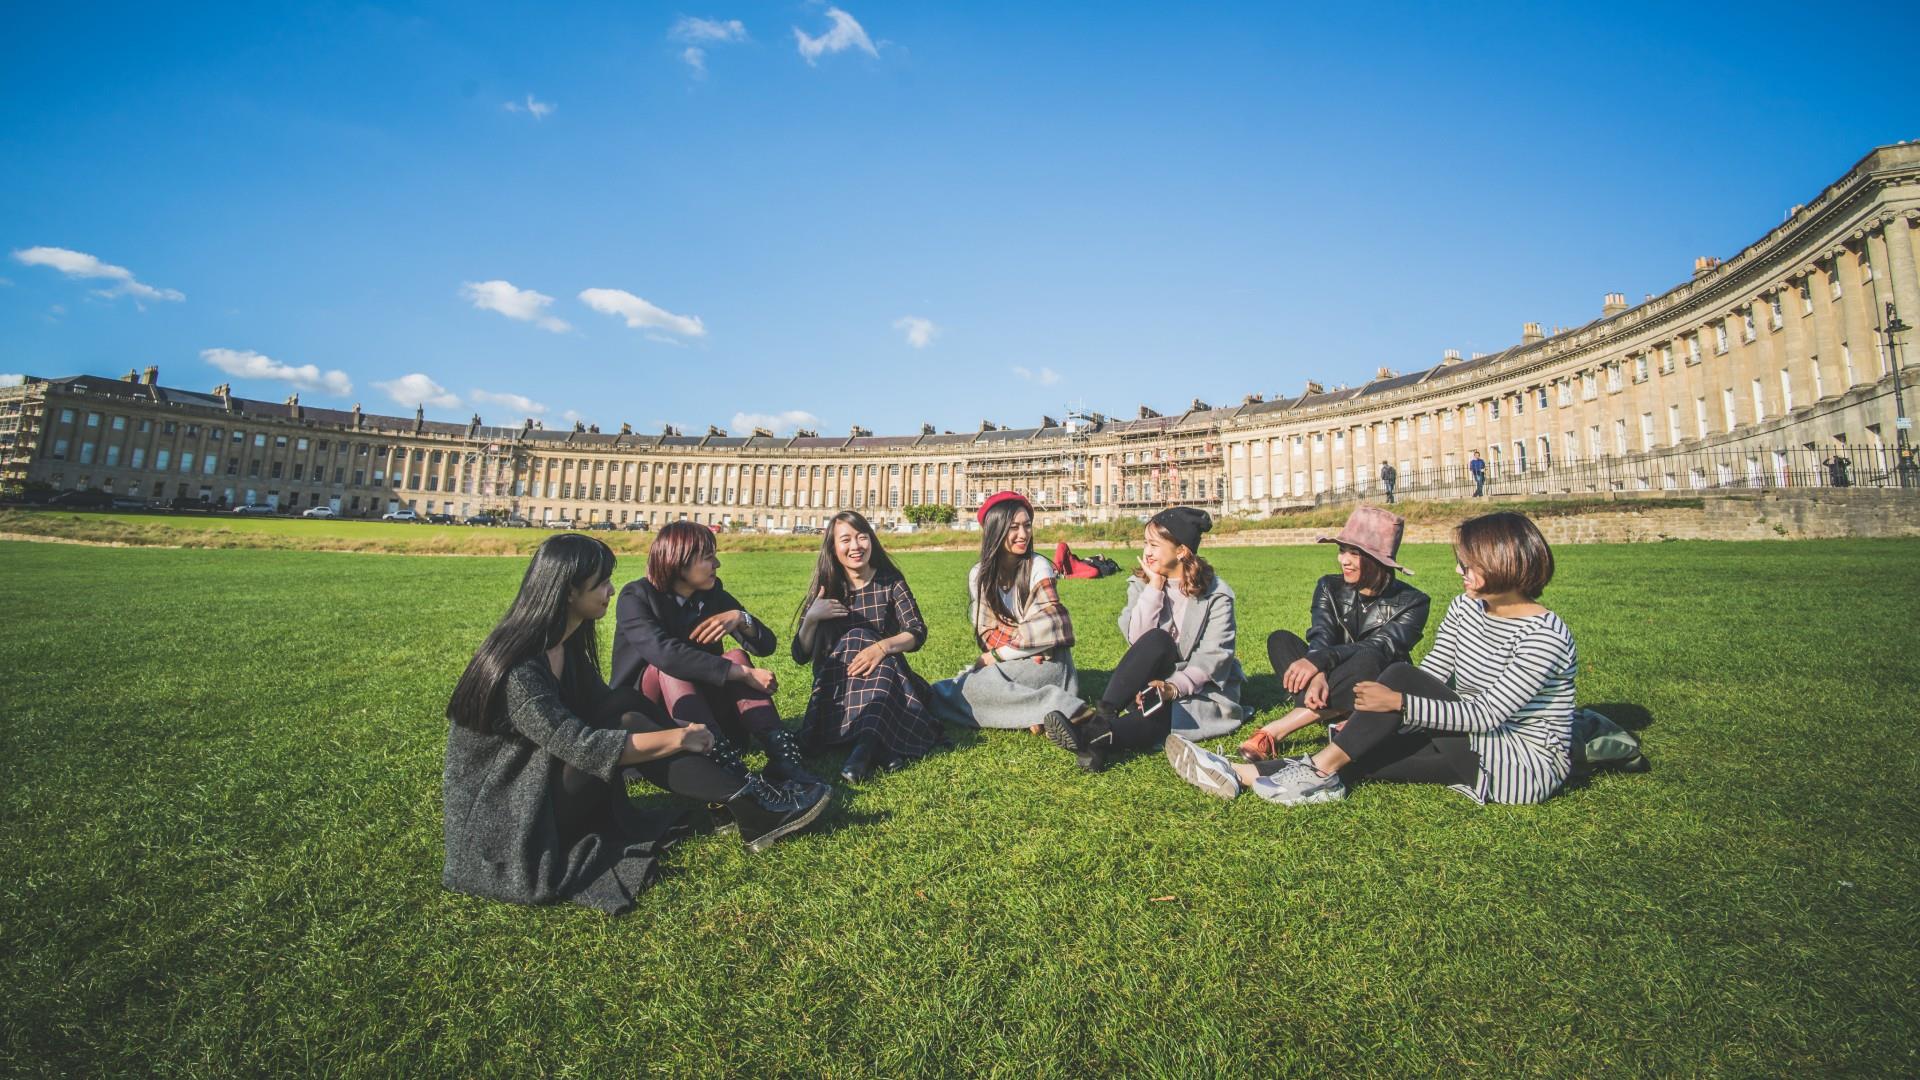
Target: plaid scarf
(1044,625)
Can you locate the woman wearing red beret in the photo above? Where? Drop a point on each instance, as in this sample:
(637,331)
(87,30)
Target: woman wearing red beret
(1025,669)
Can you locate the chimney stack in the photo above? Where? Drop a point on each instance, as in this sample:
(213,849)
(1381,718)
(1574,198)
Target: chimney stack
(131,376)
(1530,333)
(1314,388)
(988,425)
(1451,356)
(626,429)
(1613,304)
(357,418)
(859,432)
(1147,413)
(1383,372)
(762,433)
(1704,265)
(419,418)
(151,375)
(926,429)
(293,405)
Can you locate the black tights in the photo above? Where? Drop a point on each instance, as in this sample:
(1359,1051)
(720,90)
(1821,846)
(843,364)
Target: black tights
(1381,751)
(693,776)
(1284,647)
(1153,655)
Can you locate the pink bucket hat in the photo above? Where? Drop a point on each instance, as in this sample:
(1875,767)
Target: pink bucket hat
(1374,531)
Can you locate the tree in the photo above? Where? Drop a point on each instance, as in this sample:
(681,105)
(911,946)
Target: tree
(931,514)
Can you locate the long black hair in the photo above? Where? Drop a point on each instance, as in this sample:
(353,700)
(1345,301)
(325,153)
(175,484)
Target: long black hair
(999,568)
(535,623)
(829,577)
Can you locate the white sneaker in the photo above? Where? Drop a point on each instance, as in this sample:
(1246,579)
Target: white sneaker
(1299,783)
(1202,768)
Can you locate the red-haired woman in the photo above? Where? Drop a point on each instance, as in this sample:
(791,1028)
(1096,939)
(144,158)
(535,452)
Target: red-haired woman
(667,643)
(857,620)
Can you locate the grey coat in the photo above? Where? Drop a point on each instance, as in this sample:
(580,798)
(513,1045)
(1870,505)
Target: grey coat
(501,791)
(1206,638)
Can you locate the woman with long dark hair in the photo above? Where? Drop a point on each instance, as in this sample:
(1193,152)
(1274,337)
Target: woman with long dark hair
(1179,677)
(534,792)
(668,644)
(1365,619)
(1025,669)
(857,620)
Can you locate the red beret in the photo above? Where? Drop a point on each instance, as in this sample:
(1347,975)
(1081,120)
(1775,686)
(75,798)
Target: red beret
(999,497)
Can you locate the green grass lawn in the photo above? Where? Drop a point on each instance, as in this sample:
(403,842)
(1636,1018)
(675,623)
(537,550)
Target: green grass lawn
(221,784)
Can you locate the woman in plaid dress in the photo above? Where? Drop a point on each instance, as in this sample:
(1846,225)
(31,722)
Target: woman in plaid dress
(857,621)
(1026,667)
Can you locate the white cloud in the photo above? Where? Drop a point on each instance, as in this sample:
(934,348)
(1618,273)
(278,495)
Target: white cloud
(416,389)
(778,423)
(247,364)
(845,34)
(920,332)
(704,30)
(641,315)
(522,304)
(1046,376)
(519,404)
(539,110)
(78,264)
(12,380)
(573,417)
(696,59)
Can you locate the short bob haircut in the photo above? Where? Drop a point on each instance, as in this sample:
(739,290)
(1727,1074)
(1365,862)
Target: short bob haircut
(678,546)
(1509,552)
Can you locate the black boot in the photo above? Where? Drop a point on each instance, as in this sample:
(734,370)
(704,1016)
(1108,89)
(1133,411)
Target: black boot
(1085,735)
(859,763)
(765,813)
(783,758)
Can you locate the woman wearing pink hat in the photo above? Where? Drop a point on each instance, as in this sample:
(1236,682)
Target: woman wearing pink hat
(1364,618)
(1025,669)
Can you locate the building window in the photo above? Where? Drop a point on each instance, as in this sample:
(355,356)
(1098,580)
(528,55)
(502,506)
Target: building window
(119,423)
(86,453)
(1759,401)
(1588,386)
(93,419)
(1700,415)
(113,455)
(1726,405)
(1746,326)
(1640,369)
(1646,431)
(1786,391)
(1674,434)
(1779,315)
(1720,337)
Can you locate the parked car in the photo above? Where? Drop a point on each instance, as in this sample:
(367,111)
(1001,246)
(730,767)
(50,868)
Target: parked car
(253,510)
(515,522)
(402,514)
(636,525)
(320,512)
(601,526)
(441,519)
(805,530)
(481,520)
(559,523)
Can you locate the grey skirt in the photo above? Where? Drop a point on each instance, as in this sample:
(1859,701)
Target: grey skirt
(1012,694)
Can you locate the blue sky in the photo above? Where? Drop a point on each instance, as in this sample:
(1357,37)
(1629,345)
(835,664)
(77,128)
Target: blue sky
(1099,204)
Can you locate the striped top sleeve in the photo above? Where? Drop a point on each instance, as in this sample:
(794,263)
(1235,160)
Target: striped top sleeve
(1515,679)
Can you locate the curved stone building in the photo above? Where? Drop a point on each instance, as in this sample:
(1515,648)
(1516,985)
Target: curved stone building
(1745,375)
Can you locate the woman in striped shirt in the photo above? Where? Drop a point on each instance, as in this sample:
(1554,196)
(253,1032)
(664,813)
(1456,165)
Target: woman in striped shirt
(1489,711)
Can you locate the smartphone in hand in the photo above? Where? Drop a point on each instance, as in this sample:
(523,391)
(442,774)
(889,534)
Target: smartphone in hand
(1151,699)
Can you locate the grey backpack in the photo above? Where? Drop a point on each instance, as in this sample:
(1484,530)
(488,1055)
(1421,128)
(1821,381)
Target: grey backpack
(1600,745)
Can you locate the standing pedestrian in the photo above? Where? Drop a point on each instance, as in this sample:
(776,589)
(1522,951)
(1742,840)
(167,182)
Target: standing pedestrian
(1388,477)
(1479,470)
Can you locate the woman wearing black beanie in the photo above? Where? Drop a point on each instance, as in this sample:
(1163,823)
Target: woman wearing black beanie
(1179,676)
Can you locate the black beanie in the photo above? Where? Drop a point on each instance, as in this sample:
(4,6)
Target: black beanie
(1184,524)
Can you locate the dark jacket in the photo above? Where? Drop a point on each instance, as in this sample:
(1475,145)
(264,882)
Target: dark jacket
(1344,622)
(500,792)
(651,629)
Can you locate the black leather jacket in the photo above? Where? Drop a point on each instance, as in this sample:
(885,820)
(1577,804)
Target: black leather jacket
(1344,622)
